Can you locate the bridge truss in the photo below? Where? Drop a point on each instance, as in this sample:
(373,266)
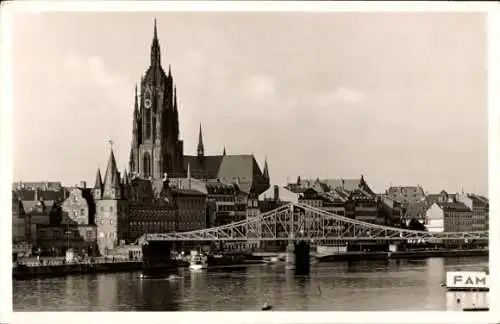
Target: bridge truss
(302,222)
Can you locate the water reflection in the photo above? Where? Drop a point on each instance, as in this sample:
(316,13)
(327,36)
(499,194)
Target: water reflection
(344,286)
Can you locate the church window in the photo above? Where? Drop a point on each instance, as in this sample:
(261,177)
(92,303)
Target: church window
(147,165)
(148,123)
(154,128)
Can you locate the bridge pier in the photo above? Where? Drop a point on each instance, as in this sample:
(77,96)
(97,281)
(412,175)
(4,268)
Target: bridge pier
(298,257)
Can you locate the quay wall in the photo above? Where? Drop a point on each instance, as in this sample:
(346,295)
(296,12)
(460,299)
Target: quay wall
(43,271)
(359,256)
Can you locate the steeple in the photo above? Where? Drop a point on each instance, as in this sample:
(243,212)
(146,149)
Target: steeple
(97,191)
(175,99)
(111,179)
(201,150)
(125,177)
(266,169)
(98,180)
(224,151)
(155,49)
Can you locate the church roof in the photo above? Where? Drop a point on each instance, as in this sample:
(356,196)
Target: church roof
(203,168)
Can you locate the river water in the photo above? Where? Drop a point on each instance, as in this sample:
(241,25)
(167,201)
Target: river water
(345,286)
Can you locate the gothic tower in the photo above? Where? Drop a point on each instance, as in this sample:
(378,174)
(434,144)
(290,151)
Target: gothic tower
(156,147)
(111,209)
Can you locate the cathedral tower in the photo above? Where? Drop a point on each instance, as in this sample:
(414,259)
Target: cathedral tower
(156,147)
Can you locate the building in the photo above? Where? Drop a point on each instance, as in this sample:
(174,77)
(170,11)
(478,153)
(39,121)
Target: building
(156,148)
(480,210)
(279,193)
(19,227)
(447,214)
(57,239)
(39,212)
(406,194)
(79,207)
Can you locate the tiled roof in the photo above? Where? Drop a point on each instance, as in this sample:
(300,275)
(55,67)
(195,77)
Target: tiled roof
(30,206)
(42,185)
(187,192)
(416,210)
(185,183)
(454,206)
(478,200)
(347,184)
(206,167)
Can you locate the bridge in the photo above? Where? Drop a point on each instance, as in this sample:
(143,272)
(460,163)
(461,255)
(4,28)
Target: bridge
(298,222)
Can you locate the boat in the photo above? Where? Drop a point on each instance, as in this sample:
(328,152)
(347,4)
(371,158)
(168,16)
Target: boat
(266,307)
(198,261)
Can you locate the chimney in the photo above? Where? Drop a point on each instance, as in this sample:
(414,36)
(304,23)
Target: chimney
(276,193)
(83,184)
(36,194)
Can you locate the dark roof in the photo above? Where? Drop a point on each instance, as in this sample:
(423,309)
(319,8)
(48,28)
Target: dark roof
(347,184)
(405,189)
(58,196)
(416,209)
(206,167)
(241,170)
(42,185)
(187,192)
(30,205)
(454,206)
(478,200)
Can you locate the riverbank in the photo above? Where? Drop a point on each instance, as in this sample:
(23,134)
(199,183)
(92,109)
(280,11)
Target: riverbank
(57,269)
(410,255)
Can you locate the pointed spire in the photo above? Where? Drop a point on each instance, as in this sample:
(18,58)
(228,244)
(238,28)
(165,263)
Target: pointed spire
(111,177)
(175,98)
(98,180)
(224,151)
(125,176)
(155,48)
(201,150)
(266,169)
(155,32)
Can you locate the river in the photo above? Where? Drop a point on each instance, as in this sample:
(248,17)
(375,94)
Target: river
(343,286)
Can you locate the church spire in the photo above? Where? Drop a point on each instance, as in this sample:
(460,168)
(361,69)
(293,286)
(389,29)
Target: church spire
(224,151)
(155,49)
(201,150)
(111,178)
(98,180)
(175,99)
(266,169)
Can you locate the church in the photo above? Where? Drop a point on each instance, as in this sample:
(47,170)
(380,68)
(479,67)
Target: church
(165,190)
(157,150)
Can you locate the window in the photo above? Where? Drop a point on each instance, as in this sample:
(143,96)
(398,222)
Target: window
(110,208)
(102,208)
(82,212)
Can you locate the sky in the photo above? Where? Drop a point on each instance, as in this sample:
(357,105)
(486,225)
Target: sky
(400,98)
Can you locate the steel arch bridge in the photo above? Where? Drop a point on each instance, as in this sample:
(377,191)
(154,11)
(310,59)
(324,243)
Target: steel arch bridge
(302,222)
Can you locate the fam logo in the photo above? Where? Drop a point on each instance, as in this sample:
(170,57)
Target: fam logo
(466,279)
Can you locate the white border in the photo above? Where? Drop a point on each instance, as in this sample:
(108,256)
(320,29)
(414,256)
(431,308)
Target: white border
(243,317)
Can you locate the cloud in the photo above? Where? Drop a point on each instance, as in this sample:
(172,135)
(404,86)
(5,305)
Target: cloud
(340,95)
(260,86)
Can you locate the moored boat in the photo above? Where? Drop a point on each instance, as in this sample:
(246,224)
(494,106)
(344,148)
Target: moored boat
(198,261)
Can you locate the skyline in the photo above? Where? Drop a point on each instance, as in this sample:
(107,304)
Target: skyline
(217,69)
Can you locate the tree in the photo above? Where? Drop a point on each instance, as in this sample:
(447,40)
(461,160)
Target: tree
(415,225)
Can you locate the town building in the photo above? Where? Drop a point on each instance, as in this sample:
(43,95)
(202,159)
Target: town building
(79,207)
(447,214)
(406,194)
(480,210)
(19,227)
(352,198)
